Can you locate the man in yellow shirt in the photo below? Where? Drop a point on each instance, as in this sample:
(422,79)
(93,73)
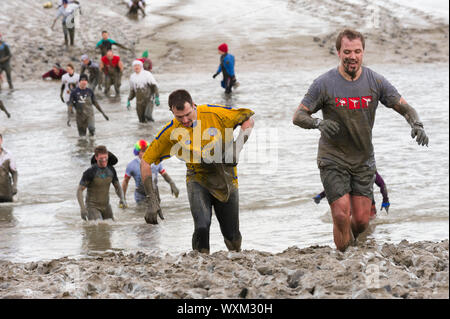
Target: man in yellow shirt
(202,136)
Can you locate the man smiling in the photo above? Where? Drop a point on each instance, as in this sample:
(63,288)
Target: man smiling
(348,97)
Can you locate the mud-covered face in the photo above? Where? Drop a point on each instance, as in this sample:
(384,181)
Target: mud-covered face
(187,116)
(137,68)
(351,55)
(102,160)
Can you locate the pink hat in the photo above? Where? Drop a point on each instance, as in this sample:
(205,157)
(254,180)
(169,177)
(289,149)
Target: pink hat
(223,47)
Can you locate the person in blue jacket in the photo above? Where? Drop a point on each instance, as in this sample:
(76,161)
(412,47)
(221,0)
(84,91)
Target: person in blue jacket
(227,68)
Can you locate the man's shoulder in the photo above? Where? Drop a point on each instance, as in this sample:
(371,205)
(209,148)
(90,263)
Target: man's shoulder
(167,129)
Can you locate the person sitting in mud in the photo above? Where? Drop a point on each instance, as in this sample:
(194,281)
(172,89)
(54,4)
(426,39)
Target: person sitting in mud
(226,66)
(144,87)
(8,175)
(82,98)
(93,69)
(5,57)
(3,108)
(106,44)
(146,61)
(134,170)
(97,180)
(68,10)
(134,7)
(69,81)
(380,183)
(211,175)
(112,67)
(56,73)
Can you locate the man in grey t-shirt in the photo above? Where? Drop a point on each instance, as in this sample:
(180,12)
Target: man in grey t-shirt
(348,97)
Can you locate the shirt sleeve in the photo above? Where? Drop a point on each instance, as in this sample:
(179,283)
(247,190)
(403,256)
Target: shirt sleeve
(160,147)
(389,95)
(312,97)
(46,75)
(232,117)
(114,179)
(128,170)
(87,177)
(99,43)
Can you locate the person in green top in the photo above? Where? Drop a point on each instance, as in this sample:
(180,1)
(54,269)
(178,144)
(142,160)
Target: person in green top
(106,44)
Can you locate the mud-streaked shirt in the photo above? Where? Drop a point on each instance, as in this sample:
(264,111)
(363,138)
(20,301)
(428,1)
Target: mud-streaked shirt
(98,180)
(188,143)
(70,82)
(352,105)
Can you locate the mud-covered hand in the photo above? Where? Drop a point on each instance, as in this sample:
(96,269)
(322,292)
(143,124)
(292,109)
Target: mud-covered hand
(317,199)
(419,133)
(385,205)
(68,122)
(157,101)
(174,190)
(84,214)
(128,105)
(105,116)
(152,202)
(215,74)
(329,128)
(62,98)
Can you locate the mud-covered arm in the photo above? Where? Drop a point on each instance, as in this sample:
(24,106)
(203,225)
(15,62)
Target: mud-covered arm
(80,199)
(125,182)
(97,106)
(411,116)
(302,117)
(15,176)
(7,56)
(153,207)
(132,94)
(119,193)
(173,187)
(63,86)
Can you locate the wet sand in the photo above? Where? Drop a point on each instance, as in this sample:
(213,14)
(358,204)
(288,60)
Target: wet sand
(369,270)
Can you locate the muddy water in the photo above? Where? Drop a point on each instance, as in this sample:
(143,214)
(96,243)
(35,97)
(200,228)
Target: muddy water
(278,173)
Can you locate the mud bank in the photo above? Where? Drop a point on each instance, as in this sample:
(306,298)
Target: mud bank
(370,270)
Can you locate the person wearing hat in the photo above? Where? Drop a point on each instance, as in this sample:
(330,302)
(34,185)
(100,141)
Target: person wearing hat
(226,66)
(82,98)
(144,87)
(134,170)
(56,73)
(97,180)
(67,11)
(146,61)
(8,174)
(3,108)
(5,57)
(93,69)
(112,67)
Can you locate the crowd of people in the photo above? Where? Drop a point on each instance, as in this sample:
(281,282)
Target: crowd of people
(347,96)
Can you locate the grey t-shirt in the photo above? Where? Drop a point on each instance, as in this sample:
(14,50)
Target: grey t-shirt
(352,105)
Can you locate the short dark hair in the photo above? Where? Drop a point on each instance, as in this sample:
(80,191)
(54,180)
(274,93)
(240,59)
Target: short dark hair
(101,149)
(104,31)
(71,65)
(351,35)
(178,98)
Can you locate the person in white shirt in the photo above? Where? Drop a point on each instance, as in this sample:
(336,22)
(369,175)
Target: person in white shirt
(69,82)
(68,11)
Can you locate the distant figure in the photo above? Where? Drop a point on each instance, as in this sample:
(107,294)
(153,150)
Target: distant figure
(5,57)
(3,108)
(380,183)
(8,175)
(112,67)
(69,82)
(226,66)
(135,5)
(134,170)
(55,73)
(144,87)
(93,69)
(146,61)
(67,11)
(82,98)
(97,179)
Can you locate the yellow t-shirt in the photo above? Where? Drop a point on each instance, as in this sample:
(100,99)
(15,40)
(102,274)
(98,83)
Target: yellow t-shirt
(213,127)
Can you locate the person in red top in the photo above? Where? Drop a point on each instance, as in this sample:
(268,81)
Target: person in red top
(146,61)
(55,73)
(112,67)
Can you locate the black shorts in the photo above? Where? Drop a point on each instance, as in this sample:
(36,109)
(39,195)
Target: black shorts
(338,180)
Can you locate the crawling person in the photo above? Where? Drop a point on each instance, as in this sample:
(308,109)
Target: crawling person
(97,180)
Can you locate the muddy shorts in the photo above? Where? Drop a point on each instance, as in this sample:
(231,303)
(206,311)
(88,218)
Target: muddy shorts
(338,180)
